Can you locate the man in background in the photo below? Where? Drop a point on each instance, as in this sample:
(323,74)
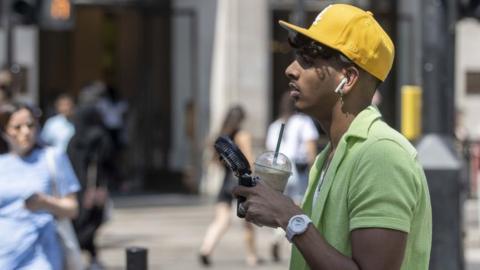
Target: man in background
(58,129)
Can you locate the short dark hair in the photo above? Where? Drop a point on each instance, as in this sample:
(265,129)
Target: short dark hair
(64,96)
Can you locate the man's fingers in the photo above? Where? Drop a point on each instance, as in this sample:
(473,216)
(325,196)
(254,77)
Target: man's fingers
(242,191)
(252,218)
(248,217)
(242,211)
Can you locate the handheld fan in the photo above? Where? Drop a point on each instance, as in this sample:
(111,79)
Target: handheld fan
(231,155)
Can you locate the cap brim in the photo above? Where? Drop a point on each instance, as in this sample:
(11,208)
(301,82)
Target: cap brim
(303,31)
(292,27)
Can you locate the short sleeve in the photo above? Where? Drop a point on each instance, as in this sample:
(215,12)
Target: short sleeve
(46,133)
(383,189)
(66,179)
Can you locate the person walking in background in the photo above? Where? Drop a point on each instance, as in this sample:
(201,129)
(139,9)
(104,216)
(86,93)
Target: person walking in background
(223,209)
(28,207)
(367,205)
(113,111)
(58,130)
(299,144)
(89,150)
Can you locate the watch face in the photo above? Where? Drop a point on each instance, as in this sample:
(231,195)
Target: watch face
(298,223)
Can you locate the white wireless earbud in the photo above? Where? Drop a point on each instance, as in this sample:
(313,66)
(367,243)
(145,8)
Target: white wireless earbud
(339,89)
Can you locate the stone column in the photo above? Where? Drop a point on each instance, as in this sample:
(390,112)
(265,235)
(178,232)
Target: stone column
(240,70)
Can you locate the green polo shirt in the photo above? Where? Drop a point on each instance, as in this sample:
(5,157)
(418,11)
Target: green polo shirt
(374,181)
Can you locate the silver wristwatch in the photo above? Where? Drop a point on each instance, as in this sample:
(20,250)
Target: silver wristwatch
(297,224)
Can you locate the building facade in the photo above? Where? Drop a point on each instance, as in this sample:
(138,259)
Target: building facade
(180,64)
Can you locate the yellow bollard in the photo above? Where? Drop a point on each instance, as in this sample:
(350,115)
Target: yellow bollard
(411,111)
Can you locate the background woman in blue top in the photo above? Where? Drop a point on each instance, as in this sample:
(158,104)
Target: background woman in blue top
(27,206)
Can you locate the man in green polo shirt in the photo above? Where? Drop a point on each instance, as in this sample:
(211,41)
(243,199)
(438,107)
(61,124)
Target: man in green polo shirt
(367,205)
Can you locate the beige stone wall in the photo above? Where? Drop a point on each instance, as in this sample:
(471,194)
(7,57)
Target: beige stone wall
(468,59)
(240,72)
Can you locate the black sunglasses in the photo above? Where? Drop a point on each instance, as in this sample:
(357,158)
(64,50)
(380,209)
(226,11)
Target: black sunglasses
(308,50)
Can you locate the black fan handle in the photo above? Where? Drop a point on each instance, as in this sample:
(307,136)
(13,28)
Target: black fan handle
(248,181)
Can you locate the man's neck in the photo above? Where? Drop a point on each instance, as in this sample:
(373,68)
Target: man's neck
(339,123)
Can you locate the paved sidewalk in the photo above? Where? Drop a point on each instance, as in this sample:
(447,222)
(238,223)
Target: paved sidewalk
(172,228)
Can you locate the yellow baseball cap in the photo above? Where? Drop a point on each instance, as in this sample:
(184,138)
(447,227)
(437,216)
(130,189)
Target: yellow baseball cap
(355,33)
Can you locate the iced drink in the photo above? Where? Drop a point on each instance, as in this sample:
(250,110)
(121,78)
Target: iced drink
(274,172)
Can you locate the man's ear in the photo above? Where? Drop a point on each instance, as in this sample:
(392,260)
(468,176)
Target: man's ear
(352,74)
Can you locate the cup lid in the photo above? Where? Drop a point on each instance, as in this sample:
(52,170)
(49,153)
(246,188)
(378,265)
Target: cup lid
(282,162)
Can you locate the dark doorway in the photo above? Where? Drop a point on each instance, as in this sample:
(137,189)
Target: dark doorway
(127,47)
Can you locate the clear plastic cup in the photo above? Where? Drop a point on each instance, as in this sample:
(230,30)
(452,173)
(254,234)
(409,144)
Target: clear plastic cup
(274,174)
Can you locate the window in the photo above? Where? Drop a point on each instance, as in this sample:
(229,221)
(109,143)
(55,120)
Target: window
(473,82)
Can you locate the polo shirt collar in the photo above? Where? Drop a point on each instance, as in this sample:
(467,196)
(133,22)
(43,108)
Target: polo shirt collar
(361,124)
(359,128)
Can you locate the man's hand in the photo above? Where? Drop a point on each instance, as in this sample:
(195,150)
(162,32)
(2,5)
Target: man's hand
(266,206)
